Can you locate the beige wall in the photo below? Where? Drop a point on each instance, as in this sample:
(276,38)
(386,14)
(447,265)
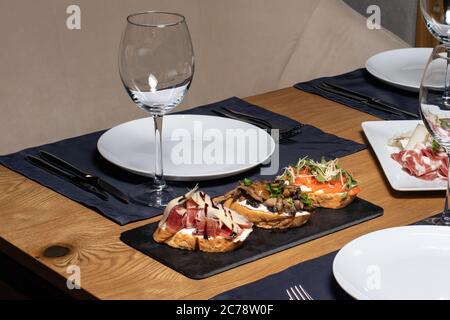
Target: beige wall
(56,83)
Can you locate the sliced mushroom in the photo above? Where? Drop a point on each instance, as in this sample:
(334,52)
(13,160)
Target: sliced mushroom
(298,204)
(279,205)
(270,202)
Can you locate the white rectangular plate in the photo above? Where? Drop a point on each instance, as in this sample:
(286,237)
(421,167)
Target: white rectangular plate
(378,133)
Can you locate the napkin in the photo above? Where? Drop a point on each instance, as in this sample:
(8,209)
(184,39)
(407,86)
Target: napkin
(362,82)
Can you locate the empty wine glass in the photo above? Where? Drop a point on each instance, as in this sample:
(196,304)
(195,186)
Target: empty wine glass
(156,64)
(435,110)
(436,14)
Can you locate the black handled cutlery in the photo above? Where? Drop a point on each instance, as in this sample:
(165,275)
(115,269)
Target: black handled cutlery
(72,178)
(226,114)
(375,103)
(248,116)
(284,134)
(357,99)
(64,167)
(88,178)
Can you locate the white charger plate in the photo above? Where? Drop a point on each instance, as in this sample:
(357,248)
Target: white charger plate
(131,146)
(378,133)
(399,263)
(402,68)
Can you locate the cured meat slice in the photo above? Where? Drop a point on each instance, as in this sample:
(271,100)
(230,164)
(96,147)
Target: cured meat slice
(175,219)
(202,217)
(200,228)
(443,169)
(423,163)
(212,228)
(225,232)
(191,217)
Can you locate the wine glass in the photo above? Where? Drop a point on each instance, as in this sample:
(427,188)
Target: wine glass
(156,65)
(436,14)
(435,110)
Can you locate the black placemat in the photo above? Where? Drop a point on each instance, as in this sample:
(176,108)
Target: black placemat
(260,243)
(315,276)
(82,152)
(362,81)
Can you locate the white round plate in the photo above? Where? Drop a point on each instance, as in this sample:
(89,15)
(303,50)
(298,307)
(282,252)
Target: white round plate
(401,68)
(195,147)
(407,263)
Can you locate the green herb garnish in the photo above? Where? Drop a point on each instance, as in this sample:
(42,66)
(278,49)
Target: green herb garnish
(287,175)
(306,200)
(247,182)
(445,123)
(323,171)
(435,146)
(275,190)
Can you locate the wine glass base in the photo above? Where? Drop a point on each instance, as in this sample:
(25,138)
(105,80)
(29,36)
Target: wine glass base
(152,196)
(438,221)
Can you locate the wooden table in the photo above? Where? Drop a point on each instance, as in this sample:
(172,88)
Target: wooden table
(33,218)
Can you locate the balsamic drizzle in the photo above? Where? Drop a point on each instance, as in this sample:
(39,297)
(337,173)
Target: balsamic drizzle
(205,233)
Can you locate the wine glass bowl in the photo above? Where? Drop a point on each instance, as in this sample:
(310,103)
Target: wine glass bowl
(435,109)
(156,65)
(436,14)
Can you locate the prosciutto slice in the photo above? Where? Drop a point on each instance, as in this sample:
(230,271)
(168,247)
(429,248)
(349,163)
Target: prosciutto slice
(196,211)
(423,163)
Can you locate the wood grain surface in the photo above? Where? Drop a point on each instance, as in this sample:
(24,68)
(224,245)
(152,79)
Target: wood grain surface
(33,218)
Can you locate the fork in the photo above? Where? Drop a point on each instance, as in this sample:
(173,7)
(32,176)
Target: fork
(298,293)
(284,134)
(248,116)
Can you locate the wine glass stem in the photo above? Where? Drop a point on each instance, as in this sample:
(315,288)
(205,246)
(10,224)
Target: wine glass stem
(158,179)
(446,213)
(447,85)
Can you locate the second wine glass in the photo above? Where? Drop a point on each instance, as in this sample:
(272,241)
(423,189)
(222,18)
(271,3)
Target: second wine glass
(156,64)
(435,111)
(436,14)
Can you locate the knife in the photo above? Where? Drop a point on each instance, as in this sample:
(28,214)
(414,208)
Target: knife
(88,178)
(357,99)
(74,179)
(370,99)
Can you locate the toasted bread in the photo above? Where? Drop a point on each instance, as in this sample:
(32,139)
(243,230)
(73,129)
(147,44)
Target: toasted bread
(193,222)
(330,200)
(325,183)
(186,241)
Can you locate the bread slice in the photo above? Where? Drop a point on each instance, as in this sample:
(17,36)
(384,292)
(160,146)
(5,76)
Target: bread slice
(180,227)
(187,241)
(331,200)
(268,220)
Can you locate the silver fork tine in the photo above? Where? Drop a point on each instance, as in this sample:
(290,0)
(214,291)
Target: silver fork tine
(295,294)
(305,293)
(289,294)
(300,293)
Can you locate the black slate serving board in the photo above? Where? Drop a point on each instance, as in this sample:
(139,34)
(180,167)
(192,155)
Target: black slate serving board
(260,243)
